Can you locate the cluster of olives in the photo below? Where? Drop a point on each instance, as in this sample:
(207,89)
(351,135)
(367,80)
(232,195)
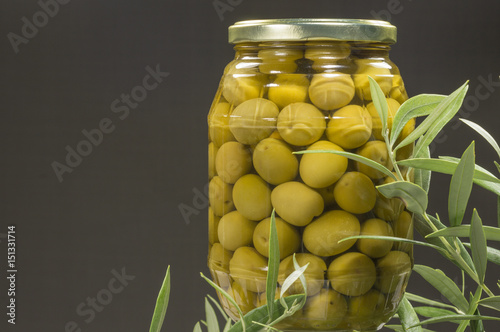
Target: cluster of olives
(285,99)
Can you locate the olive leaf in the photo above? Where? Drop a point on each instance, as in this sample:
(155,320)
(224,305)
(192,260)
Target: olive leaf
(444,285)
(161,304)
(414,197)
(435,312)
(492,302)
(260,315)
(217,304)
(197,327)
(491,233)
(447,318)
(273,265)
(419,105)
(483,133)
(422,177)
(212,323)
(395,239)
(473,303)
(461,187)
(408,316)
(478,246)
(492,254)
(380,104)
(355,157)
(420,299)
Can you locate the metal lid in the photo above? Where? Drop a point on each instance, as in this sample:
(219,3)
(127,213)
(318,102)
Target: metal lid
(302,29)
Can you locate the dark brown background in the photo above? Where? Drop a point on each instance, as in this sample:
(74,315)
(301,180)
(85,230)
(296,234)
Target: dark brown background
(120,207)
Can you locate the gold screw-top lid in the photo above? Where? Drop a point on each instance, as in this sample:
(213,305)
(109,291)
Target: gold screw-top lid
(302,29)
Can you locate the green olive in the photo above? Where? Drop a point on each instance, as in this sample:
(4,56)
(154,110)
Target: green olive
(326,55)
(233,160)
(252,197)
(403,228)
(241,84)
(321,237)
(249,269)
(329,91)
(327,194)
(279,60)
(364,312)
(288,237)
(219,258)
(235,231)
(242,296)
(373,247)
(398,90)
(379,71)
(220,196)
(274,161)
(320,170)
(212,153)
(213,225)
(218,124)
(393,272)
(325,310)
(352,274)
(301,124)
(393,107)
(354,192)
(388,208)
(288,88)
(376,151)
(296,203)
(350,127)
(314,274)
(253,120)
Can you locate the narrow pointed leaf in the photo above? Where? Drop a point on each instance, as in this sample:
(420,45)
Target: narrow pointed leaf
(498,210)
(260,315)
(423,300)
(414,197)
(435,312)
(217,304)
(479,247)
(461,187)
(161,304)
(294,276)
(273,265)
(483,133)
(444,285)
(435,121)
(422,177)
(408,316)
(472,309)
(228,325)
(414,107)
(497,165)
(492,302)
(443,319)
(491,233)
(197,328)
(212,323)
(380,104)
(395,239)
(355,157)
(447,165)
(492,254)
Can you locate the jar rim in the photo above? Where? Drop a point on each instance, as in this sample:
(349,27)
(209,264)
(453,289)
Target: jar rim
(312,29)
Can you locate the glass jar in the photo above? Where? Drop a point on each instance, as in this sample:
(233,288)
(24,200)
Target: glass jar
(302,84)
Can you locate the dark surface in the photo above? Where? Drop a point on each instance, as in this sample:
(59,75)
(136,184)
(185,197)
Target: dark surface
(119,208)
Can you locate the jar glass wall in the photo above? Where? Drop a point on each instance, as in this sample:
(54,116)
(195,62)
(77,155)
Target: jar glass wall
(279,96)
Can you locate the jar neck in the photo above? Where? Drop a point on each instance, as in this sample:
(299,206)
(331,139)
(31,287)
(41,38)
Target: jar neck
(370,50)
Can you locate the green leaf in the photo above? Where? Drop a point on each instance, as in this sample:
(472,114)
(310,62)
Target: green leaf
(355,157)
(420,105)
(414,197)
(497,165)
(197,328)
(216,303)
(492,254)
(447,166)
(260,315)
(461,187)
(434,122)
(444,285)
(228,325)
(273,265)
(161,304)
(212,323)
(483,133)
(491,233)
(395,239)
(479,247)
(380,104)
(498,211)
(423,300)
(294,276)
(443,319)
(435,312)
(227,296)
(472,309)
(408,316)
(492,302)
(400,328)
(422,177)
